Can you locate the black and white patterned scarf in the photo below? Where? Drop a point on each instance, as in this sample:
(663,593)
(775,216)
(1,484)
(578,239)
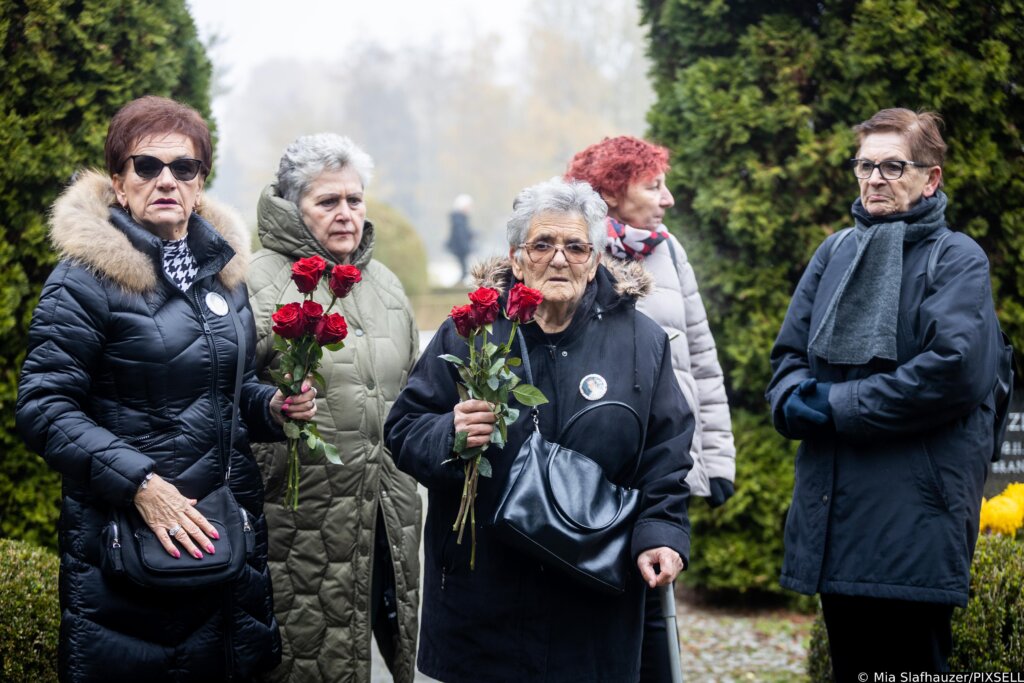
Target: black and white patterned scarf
(179,263)
(627,242)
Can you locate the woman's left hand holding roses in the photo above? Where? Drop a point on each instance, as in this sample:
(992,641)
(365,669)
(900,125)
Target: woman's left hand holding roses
(300,407)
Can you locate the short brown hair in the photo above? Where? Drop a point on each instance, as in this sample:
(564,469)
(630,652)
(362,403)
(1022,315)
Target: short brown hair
(152,115)
(921,129)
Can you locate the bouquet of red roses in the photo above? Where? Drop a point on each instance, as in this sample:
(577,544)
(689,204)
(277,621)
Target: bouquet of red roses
(302,331)
(488,376)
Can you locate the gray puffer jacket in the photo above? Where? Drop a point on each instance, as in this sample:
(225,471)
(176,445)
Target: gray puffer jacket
(676,305)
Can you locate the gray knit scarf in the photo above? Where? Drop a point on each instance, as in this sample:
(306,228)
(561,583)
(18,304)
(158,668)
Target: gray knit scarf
(860,321)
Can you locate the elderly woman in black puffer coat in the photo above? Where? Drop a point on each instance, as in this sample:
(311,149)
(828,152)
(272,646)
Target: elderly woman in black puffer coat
(128,391)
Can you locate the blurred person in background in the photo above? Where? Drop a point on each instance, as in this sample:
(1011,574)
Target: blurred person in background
(629,173)
(461,235)
(346,562)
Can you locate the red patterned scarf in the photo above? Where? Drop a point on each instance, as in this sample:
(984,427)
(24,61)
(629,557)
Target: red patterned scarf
(627,242)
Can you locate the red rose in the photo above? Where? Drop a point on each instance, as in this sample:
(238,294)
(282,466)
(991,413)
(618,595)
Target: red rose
(312,312)
(522,303)
(331,329)
(289,322)
(343,278)
(465,321)
(485,305)
(306,273)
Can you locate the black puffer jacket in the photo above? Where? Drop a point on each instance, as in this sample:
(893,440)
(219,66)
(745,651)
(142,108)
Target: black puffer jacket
(510,619)
(127,375)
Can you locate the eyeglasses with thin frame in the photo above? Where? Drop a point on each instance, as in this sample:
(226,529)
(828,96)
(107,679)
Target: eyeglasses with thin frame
(890,170)
(542,252)
(148,167)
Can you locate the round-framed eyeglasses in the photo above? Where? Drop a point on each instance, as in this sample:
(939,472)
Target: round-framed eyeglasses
(542,252)
(890,169)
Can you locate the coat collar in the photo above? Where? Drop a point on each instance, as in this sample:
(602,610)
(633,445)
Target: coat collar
(82,229)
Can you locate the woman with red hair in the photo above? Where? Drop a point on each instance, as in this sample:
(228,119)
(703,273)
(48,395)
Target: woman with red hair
(629,174)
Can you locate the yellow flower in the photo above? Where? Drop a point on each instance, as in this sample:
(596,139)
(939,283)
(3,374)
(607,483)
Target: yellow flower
(1002,515)
(1015,491)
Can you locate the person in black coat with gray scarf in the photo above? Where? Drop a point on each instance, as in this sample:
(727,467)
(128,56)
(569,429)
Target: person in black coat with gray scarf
(512,618)
(886,372)
(127,391)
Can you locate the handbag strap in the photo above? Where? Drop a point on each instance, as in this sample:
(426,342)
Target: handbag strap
(236,401)
(613,404)
(619,404)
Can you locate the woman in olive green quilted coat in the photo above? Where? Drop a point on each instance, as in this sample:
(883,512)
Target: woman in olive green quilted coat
(346,562)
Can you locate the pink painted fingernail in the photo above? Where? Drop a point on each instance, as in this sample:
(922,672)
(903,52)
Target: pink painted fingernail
(177,555)
(198,555)
(210,549)
(215,535)
(305,386)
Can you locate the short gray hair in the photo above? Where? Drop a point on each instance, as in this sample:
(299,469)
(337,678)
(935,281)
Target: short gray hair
(559,196)
(310,155)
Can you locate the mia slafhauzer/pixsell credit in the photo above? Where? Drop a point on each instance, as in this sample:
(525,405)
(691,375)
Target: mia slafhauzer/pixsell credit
(957,677)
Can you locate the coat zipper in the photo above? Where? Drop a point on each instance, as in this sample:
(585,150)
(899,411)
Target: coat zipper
(208,333)
(147,439)
(214,361)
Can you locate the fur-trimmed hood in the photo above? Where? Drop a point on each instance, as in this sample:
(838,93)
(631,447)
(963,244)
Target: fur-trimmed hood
(632,280)
(81,231)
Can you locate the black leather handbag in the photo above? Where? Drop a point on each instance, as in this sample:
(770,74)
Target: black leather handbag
(559,507)
(132,550)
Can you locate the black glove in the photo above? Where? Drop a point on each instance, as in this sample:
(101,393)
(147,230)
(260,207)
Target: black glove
(721,491)
(807,410)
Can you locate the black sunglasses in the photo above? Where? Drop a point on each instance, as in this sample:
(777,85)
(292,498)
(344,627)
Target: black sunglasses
(147,167)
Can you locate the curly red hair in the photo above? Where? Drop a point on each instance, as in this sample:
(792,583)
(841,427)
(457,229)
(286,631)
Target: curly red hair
(612,165)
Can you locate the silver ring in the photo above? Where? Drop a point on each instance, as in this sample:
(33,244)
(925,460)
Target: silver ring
(174,530)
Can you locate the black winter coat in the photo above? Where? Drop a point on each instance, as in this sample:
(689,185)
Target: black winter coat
(127,375)
(510,619)
(888,505)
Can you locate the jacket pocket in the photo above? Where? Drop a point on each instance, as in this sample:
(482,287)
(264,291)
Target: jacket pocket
(152,440)
(927,474)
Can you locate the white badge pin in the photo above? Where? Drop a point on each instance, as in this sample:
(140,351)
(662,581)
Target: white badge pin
(593,387)
(216,303)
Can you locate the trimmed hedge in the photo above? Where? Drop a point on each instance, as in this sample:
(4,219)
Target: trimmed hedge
(988,635)
(29,613)
(399,247)
(66,66)
(737,547)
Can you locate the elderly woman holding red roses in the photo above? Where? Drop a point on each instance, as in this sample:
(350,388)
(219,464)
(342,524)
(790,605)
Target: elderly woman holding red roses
(139,360)
(345,562)
(499,614)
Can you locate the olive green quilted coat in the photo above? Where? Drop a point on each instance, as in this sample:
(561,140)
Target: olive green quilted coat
(321,554)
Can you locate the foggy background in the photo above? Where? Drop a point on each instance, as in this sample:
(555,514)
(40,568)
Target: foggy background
(482,98)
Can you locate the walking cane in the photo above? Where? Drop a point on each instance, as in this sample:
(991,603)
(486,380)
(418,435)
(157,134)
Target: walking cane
(668,610)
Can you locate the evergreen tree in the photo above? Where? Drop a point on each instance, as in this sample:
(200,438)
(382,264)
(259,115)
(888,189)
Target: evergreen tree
(756,101)
(65,68)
